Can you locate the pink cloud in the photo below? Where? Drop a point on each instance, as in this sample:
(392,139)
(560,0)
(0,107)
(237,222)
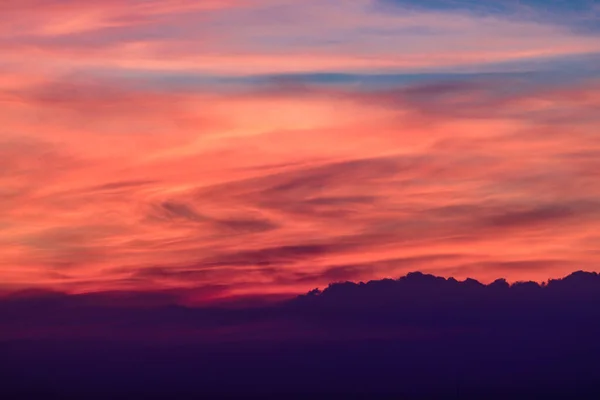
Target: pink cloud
(269,36)
(118,183)
(331,183)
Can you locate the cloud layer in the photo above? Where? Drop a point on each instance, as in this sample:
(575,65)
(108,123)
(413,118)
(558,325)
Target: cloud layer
(271,146)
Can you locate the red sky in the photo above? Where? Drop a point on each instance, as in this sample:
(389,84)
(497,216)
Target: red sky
(269,146)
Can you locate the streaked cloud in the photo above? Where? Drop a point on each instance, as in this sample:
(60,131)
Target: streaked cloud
(272,145)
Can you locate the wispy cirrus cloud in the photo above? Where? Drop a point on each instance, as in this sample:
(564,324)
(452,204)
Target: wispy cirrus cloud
(273,145)
(276,36)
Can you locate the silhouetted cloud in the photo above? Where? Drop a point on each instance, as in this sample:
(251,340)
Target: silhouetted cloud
(419,334)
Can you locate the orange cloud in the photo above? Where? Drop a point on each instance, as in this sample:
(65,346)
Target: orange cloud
(119,170)
(282,192)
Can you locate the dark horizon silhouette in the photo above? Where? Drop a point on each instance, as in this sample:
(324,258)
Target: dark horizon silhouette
(415,337)
(177,176)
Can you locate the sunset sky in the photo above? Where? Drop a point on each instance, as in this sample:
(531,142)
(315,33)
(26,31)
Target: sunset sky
(274,146)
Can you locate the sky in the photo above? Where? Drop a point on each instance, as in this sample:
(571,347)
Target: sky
(274,146)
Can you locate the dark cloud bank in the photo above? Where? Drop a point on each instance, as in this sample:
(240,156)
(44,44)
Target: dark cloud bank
(417,337)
